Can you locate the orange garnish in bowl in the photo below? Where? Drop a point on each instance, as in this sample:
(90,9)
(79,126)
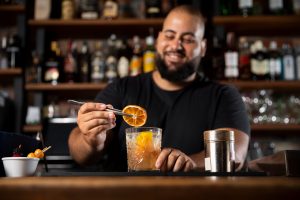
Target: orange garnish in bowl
(38,153)
(139,115)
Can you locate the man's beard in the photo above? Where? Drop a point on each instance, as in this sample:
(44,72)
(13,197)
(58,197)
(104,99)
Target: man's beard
(180,74)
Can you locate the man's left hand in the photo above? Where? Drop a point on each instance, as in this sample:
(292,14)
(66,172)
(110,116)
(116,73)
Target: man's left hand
(174,160)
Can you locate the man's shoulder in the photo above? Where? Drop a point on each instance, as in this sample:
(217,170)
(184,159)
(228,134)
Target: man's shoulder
(216,87)
(214,84)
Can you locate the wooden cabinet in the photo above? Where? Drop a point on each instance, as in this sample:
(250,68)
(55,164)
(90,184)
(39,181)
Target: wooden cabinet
(260,25)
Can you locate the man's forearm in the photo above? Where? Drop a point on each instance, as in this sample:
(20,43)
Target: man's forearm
(82,152)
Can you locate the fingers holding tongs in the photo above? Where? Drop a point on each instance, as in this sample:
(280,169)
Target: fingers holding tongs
(116,111)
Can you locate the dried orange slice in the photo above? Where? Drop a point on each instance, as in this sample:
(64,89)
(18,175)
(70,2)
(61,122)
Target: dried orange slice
(139,115)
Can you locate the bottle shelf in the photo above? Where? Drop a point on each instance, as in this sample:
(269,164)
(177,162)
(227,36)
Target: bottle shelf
(275,85)
(94,28)
(96,22)
(12,8)
(275,127)
(65,86)
(242,85)
(11,72)
(262,25)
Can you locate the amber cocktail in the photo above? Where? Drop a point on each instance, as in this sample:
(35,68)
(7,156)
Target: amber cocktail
(143,147)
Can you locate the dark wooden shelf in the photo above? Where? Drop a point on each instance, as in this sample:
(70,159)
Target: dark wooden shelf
(78,28)
(18,8)
(242,85)
(65,86)
(275,85)
(260,25)
(32,128)
(97,22)
(275,127)
(11,72)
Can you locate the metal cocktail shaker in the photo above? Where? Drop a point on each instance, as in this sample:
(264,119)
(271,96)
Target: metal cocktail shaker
(219,150)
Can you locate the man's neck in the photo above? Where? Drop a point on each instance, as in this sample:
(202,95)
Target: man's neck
(171,86)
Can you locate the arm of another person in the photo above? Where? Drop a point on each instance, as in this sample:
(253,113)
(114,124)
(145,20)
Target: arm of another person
(88,140)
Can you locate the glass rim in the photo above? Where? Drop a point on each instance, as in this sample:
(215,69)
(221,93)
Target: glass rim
(141,128)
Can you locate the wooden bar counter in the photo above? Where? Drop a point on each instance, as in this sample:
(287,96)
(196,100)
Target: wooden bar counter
(149,188)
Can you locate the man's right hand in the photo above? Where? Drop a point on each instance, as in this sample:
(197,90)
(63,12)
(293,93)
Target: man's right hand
(94,122)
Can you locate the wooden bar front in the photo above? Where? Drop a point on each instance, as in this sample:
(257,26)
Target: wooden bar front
(149,188)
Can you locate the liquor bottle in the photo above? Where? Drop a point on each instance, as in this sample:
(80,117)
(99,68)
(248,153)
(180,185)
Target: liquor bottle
(245,7)
(122,49)
(276,7)
(42,9)
(259,7)
(166,6)
(296,7)
(70,63)
(125,9)
(275,61)
(218,59)
(244,59)
(3,53)
(138,8)
(259,61)
(153,8)
(88,9)
(111,46)
(84,63)
(297,59)
(52,64)
(67,9)
(288,62)
(14,51)
(98,64)
(136,59)
(111,73)
(123,55)
(231,58)
(149,55)
(110,9)
(123,67)
(34,71)
(227,7)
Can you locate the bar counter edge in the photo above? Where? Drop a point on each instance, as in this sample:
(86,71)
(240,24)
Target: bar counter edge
(149,188)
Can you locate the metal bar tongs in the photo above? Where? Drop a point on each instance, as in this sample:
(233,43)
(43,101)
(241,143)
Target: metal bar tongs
(116,111)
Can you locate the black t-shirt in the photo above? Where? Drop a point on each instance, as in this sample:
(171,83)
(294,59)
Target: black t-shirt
(183,115)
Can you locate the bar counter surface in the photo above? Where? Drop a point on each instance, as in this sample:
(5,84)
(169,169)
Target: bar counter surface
(149,188)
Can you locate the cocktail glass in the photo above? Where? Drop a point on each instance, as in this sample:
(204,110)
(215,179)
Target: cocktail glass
(143,147)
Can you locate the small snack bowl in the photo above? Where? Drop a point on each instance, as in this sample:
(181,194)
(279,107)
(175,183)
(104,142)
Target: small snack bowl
(19,166)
